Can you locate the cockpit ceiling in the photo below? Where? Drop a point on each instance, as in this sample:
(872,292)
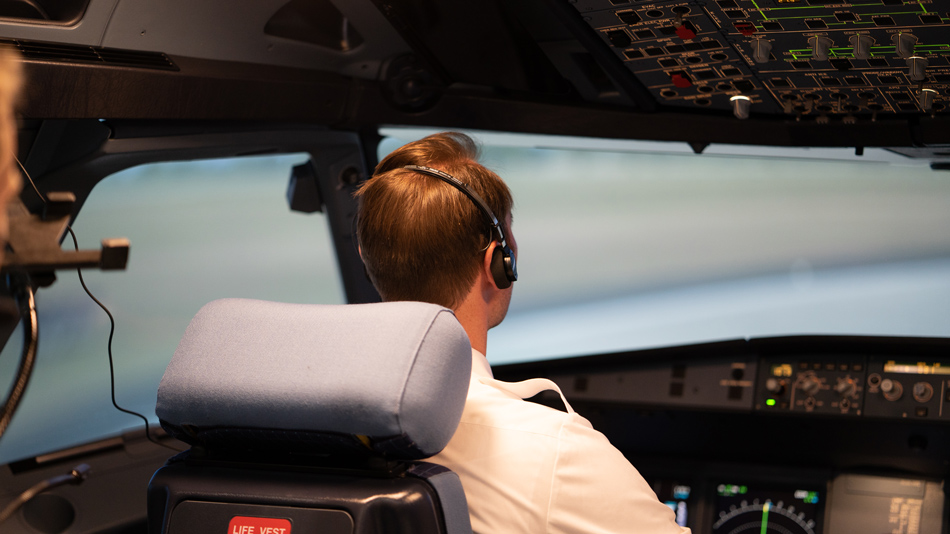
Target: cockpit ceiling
(774,72)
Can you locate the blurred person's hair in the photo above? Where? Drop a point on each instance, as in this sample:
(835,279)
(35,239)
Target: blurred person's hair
(10,79)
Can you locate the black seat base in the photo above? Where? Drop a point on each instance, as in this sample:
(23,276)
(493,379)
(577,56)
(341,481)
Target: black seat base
(198,496)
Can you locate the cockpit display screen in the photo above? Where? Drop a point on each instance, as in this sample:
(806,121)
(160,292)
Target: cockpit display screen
(747,509)
(678,496)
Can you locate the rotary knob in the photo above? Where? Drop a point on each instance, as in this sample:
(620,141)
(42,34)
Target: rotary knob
(861,45)
(775,386)
(891,389)
(761,50)
(819,47)
(917,68)
(740,106)
(810,385)
(926,98)
(845,387)
(904,44)
(922,391)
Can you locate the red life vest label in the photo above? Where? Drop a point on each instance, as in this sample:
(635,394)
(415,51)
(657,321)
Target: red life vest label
(258,525)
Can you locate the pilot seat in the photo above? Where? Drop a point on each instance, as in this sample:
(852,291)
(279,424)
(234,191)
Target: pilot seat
(312,418)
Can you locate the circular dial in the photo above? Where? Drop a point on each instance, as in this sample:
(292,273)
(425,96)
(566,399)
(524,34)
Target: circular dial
(763,518)
(923,391)
(810,385)
(891,389)
(845,387)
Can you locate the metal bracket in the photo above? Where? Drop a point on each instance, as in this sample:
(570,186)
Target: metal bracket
(35,242)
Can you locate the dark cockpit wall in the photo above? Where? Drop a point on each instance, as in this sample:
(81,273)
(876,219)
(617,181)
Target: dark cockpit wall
(129,82)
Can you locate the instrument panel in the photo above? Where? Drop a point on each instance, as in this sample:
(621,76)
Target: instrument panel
(808,59)
(802,434)
(887,387)
(848,503)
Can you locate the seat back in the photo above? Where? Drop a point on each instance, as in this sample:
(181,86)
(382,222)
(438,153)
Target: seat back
(312,415)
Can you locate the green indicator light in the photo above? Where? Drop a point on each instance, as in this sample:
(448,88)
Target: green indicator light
(742,490)
(770,402)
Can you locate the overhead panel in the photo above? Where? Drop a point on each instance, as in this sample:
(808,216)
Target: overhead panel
(814,59)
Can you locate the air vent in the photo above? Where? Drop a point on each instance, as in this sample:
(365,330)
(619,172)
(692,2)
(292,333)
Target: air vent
(67,53)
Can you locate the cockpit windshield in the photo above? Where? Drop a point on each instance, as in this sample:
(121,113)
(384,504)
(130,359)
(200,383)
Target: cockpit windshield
(627,245)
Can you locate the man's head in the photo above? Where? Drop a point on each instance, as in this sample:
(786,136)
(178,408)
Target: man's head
(9,175)
(421,238)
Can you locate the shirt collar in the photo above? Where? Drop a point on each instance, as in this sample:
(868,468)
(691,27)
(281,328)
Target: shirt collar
(480,366)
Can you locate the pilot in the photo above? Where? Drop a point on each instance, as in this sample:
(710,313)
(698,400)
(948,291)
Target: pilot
(524,467)
(9,175)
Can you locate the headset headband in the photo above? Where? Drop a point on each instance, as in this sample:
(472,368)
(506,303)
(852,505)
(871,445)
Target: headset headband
(455,182)
(504,268)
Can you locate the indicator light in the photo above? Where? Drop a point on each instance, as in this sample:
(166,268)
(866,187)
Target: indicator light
(770,402)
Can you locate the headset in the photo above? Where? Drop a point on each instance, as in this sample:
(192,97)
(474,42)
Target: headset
(504,268)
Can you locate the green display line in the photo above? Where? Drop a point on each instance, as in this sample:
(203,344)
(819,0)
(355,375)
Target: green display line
(765,516)
(795,7)
(759,10)
(876,49)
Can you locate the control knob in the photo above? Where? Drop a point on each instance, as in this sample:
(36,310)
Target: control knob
(891,389)
(740,106)
(922,391)
(861,45)
(761,50)
(775,386)
(926,99)
(917,68)
(819,47)
(904,44)
(845,387)
(810,385)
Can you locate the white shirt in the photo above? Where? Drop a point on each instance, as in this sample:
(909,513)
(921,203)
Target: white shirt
(528,468)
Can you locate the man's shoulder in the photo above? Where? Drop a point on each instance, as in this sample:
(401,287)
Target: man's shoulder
(493,407)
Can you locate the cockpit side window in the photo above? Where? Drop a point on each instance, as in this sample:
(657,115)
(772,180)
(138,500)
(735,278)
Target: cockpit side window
(199,230)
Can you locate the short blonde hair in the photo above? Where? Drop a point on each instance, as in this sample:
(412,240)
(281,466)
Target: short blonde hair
(420,238)
(10,79)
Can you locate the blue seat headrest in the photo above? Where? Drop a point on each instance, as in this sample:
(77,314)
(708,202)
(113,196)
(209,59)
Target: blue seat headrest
(390,378)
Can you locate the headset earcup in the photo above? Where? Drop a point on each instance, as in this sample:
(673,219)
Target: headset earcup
(498,269)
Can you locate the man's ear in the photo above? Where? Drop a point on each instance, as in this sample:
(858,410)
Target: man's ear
(486,263)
